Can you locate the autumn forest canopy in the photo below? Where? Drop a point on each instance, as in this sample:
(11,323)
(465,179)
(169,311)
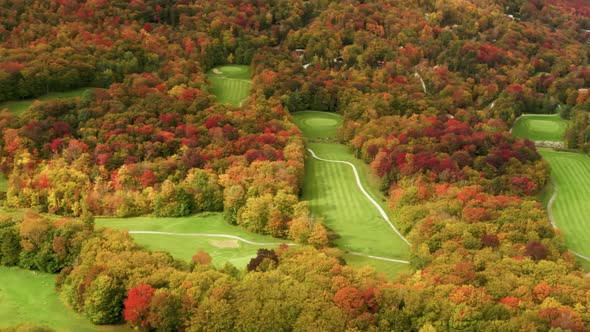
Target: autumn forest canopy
(426,92)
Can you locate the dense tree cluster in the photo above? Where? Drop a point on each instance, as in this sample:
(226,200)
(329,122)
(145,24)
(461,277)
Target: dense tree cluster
(577,108)
(59,44)
(153,142)
(449,150)
(484,262)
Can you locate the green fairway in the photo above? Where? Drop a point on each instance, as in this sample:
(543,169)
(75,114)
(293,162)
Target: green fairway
(19,106)
(333,193)
(184,247)
(29,297)
(231,83)
(540,127)
(571,208)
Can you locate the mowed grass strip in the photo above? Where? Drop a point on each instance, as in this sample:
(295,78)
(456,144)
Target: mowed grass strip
(30,297)
(541,127)
(231,83)
(333,193)
(221,250)
(17,107)
(571,208)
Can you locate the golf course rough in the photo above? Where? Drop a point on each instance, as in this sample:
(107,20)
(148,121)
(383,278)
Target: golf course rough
(333,193)
(230,83)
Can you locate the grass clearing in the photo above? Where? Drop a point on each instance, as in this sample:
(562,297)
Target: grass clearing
(19,106)
(230,83)
(184,247)
(29,297)
(538,127)
(571,173)
(332,192)
(318,125)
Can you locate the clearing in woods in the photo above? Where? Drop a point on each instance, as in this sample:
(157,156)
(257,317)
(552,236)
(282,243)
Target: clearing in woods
(182,240)
(20,106)
(29,297)
(334,194)
(540,127)
(230,83)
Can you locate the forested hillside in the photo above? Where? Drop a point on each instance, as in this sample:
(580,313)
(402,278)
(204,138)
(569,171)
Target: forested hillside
(428,91)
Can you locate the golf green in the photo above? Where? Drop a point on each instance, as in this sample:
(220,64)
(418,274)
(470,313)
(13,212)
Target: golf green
(540,127)
(230,83)
(318,125)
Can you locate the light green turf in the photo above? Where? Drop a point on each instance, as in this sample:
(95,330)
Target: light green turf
(540,127)
(29,297)
(571,208)
(185,247)
(3,182)
(19,106)
(390,269)
(318,125)
(231,83)
(333,194)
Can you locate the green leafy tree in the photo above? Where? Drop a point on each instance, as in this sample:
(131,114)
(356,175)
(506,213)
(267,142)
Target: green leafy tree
(103,303)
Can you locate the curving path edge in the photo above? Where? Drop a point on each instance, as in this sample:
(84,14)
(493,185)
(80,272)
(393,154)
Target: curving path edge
(227,236)
(421,81)
(555,189)
(378,257)
(552,219)
(233,237)
(359,184)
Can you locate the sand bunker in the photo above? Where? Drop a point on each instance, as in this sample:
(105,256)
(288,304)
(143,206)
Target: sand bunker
(224,243)
(216,71)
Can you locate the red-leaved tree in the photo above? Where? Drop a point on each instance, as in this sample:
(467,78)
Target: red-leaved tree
(137,305)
